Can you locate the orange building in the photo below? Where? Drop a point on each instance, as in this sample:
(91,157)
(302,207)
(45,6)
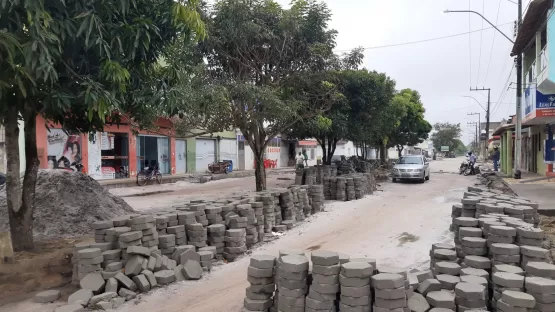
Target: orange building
(119,152)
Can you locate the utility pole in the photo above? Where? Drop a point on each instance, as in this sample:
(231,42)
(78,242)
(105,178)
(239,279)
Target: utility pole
(487,119)
(518,138)
(473,123)
(479,129)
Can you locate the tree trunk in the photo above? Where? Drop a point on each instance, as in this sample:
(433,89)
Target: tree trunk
(400,150)
(21,215)
(383,152)
(260,171)
(324,155)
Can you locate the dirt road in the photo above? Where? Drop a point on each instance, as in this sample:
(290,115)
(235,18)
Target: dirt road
(396,226)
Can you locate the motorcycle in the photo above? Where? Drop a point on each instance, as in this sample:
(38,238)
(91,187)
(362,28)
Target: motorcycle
(464,166)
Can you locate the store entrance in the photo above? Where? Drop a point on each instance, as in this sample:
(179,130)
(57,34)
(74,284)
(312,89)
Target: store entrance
(152,151)
(114,155)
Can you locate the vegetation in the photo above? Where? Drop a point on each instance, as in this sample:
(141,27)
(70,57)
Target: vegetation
(81,64)
(446,134)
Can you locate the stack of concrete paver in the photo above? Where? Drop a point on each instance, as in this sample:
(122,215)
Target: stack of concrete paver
(277,208)
(529,236)
(258,208)
(327,187)
(470,296)
(389,291)
(246,211)
(350,191)
(260,275)
(288,209)
(543,291)
(341,187)
(503,281)
(213,215)
(442,252)
(216,238)
(161,224)
(534,254)
(235,244)
(505,254)
(316,194)
(268,207)
(361,186)
(325,281)
(516,301)
(185,218)
(293,274)
(333,188)
(305,201)
(200,214)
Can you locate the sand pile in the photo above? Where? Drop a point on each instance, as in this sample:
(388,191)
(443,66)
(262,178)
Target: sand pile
(66,203)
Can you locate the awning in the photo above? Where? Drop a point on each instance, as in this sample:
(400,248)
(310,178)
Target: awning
(535,17)
(507,127)
(308,143)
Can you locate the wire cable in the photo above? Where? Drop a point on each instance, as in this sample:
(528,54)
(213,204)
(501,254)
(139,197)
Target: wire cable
(424,40)
(492,43)
(504,92)
(481,37)
(469,48)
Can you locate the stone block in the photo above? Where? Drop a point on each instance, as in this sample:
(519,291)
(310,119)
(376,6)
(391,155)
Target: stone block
(451,268)
(189,254)
(477,262)
(424,275)
(508,280)
(324,257)
(448,281)
(89,253)
(534,252)
(505,249)
(396,293)
(348,281)
(541,269)
(111,285)
(263,261)
(70,308)
(357,269)
(105,297)
(441,299)
(47,296)
(356,291)
(475,272)
(429,285)
(126,281)
(192,270)
(539,285)
(518,299)
(165,277)
(505,307)
(390,303)
(93,282)
(80,297)
(138,250)
(326,270)
(387,281)
(142,283)
(151,278)
(470,291)
(127,294)
(294,264)
(255,272)
(134,265)
(417,303)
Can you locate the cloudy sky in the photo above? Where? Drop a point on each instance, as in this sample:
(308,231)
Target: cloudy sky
(441,70)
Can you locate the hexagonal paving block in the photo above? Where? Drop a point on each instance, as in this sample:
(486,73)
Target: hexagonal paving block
(518,299)
(477,262)
(387,281)
(450,268)
(476,272)
(508,280)
(471,291)
(441,299)
(356,269)
(294,264)
(448,281)
(505,249)
(540,285)
(540,269)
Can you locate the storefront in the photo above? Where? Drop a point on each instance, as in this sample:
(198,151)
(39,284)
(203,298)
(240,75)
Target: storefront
(152,151)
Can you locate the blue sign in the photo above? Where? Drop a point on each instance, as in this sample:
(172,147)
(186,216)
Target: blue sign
(544,101)
(535,100)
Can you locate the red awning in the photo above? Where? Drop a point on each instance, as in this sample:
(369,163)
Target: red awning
(308,143)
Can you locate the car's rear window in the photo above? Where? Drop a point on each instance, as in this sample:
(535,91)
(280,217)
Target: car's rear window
(410,160)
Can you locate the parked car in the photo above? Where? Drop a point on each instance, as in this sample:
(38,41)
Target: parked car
(412,167)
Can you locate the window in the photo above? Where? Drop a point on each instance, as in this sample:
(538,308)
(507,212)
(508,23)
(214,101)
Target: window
(312,154)
(410,160)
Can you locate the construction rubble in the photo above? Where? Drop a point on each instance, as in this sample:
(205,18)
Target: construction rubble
(135,253)
(496,263)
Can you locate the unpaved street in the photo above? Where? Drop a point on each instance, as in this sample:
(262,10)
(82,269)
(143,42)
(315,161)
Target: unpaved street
(396,226)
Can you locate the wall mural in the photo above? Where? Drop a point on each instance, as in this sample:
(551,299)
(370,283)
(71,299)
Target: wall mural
(64,151)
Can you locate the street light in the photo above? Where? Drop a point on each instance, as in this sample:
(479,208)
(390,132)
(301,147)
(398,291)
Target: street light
(469,11)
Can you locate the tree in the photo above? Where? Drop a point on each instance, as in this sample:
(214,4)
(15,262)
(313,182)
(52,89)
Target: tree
(460,148)
(258,53)
(413,128)
(79,64)
(446,134)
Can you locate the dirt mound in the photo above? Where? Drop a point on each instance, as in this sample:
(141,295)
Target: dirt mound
(66,203)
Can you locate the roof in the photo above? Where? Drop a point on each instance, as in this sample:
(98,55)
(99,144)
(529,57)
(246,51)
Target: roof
(506,127)
(535,17)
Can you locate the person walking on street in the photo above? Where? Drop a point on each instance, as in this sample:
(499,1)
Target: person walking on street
(305,156)
(496,155)
(300,161)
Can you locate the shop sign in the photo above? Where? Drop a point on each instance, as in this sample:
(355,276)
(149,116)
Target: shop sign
(273,150)
(537,104)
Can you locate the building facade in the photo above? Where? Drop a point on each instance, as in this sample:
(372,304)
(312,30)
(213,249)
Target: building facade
(536,42)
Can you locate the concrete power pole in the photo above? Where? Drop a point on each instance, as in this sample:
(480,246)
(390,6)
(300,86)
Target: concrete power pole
(479,130)
(485,149)
(518,138)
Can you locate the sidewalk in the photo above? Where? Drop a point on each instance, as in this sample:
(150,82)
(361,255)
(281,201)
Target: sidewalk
(130,182)
(537,188)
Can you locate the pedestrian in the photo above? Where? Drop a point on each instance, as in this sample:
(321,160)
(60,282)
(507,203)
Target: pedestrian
(496,155)
(305,156)
(300,161)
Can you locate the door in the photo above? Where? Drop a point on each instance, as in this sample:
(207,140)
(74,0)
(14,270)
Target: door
(228,150)
(241,155)
(206,154)
(180,156)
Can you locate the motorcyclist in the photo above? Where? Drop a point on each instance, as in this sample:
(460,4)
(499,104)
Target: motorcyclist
(472,161)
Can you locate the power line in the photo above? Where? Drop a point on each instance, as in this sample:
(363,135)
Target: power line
(481,37)
(504,92)
(424,40)
(492,42)
(469,48)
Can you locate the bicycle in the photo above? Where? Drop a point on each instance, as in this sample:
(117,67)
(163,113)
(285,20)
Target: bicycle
(149,174)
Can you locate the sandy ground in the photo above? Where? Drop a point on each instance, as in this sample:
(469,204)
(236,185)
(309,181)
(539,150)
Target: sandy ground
(396,226)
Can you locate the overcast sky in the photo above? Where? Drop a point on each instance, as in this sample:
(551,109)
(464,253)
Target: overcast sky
(441,70)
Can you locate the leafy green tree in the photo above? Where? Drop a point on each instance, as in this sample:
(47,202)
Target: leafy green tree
(266,60)
(413,128)
(446,134)
(80,64)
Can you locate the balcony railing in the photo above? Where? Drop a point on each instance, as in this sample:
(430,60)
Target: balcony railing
(543,59)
